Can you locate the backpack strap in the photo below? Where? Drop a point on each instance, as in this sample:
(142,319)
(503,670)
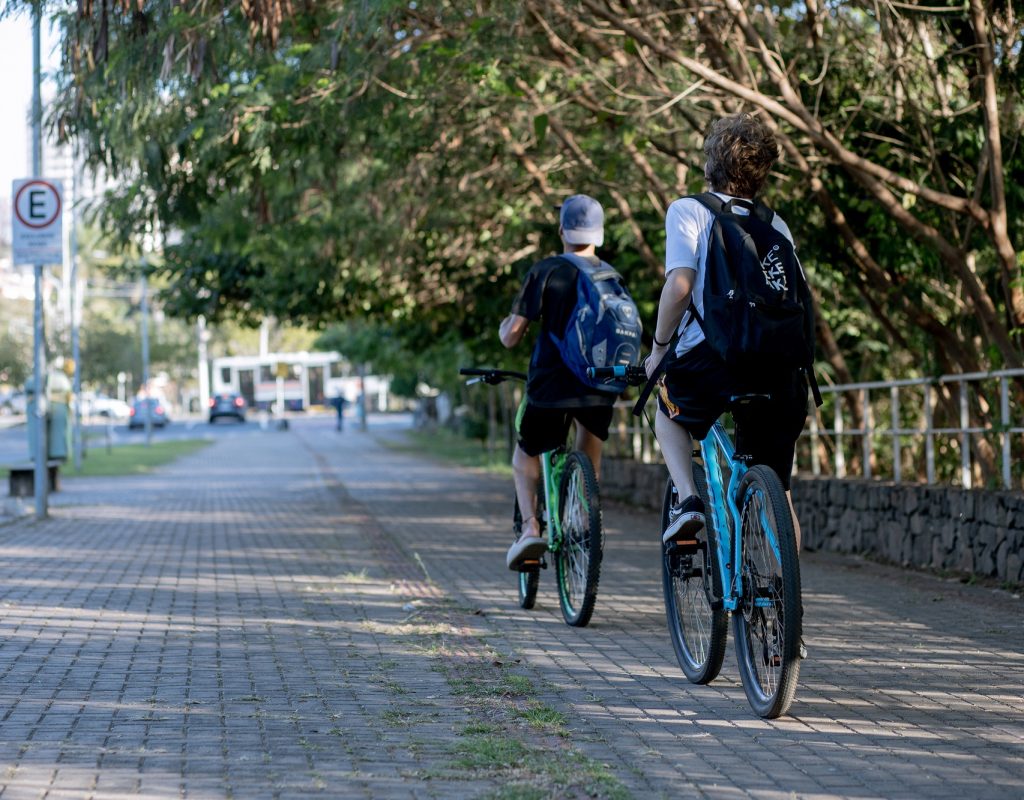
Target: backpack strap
(645,393)
(716,205)
(604,271)
(813,383)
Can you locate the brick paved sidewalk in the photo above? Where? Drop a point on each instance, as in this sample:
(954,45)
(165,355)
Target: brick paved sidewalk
(913,689)
(257,621)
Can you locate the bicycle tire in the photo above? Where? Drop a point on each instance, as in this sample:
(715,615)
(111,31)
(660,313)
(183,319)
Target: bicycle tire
(579,553)
(768,621)
(528,579)
(698,623)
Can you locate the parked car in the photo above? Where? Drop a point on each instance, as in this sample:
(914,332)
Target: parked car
(14,403)
(227,404)
(152,407)
(100,405)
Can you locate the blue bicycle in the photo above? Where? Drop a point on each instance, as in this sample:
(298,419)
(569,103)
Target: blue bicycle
(744,563)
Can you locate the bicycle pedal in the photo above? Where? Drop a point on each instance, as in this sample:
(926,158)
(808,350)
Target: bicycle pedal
(685,547)
(528,565)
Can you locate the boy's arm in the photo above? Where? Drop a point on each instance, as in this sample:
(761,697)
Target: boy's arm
(675,299)
(512,330)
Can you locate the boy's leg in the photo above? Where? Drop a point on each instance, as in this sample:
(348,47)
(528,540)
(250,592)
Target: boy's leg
(526,470)
(677,450)
(591,446)
(591,432)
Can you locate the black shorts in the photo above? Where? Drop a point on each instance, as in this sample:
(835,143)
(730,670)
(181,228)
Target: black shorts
(543,429)
(696,390)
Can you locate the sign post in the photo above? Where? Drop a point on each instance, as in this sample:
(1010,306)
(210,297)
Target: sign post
(37,240)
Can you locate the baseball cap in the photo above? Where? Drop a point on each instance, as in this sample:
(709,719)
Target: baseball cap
(582,220)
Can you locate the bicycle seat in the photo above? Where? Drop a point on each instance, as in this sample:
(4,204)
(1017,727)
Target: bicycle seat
(752,398)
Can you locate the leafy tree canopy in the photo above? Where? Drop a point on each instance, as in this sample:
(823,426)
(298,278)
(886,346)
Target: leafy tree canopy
(332,161)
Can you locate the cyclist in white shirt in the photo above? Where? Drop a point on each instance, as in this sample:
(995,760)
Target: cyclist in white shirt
(739,150)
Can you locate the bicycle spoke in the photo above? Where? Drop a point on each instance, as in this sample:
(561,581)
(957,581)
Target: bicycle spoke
(574,539)
(696,623)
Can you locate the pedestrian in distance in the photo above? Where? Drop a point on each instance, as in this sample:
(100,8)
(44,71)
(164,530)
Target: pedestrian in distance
(339,402)
(555,394)
(698,382)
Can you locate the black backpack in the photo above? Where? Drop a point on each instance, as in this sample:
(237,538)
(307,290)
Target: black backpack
(758,313)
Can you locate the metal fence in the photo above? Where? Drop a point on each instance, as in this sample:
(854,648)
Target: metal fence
(955,429)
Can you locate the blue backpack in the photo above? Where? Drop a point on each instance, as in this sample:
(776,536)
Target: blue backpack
(603,329)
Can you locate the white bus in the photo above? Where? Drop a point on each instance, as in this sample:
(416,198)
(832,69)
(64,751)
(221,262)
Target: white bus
(310,379)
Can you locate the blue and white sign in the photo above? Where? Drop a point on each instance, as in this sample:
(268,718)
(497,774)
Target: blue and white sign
(37,235)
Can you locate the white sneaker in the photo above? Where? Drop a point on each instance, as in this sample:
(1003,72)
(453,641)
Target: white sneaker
(525,548)
(689,520)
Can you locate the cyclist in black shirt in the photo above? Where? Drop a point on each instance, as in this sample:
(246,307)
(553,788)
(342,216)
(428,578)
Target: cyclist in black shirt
(554,396)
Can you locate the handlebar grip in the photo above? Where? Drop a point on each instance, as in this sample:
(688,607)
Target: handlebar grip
(473,371)
(633,375)
(606,373)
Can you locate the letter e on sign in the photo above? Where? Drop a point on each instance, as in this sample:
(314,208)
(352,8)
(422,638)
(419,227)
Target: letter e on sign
(36,221)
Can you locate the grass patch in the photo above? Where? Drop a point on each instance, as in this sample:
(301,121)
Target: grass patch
(449,446)
(515,686)
(490,752)
(396,718)
(538,715)
(519,792)
(136,459)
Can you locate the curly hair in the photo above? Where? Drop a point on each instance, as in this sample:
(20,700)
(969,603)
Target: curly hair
(739,151)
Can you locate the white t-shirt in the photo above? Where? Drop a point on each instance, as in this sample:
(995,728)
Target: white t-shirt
(687,230)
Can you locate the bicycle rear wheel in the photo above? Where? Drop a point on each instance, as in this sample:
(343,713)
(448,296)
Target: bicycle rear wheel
(767,623)
(692,584)
(529,577)
(578,557)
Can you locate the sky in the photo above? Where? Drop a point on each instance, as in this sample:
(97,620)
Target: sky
(16,94)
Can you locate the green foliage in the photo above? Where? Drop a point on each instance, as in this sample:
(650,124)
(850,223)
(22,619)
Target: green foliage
(15,346)
(397,165)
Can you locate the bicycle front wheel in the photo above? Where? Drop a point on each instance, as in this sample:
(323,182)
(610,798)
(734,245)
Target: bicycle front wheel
(529,577)
(697,621)
(768,623)
(579,553)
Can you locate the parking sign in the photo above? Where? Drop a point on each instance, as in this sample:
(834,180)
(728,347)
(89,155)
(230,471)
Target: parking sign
(36,224)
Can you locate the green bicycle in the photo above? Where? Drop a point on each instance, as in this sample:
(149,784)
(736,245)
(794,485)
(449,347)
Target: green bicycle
(569,510)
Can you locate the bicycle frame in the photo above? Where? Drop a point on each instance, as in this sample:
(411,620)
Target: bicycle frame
(552,463)
(726,512)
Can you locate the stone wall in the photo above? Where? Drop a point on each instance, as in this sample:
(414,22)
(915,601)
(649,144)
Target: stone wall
(974,532)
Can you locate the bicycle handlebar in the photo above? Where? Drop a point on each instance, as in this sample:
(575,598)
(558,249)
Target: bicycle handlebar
(491,376)
(634,375)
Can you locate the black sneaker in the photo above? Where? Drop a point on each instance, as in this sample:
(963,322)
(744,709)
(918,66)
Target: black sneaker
(687,523)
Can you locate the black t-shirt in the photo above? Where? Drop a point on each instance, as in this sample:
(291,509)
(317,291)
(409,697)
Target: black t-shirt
(548,294)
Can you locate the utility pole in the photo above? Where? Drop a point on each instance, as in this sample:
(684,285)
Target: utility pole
(145,359)
(76,321)
(204,370)
(41,474)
